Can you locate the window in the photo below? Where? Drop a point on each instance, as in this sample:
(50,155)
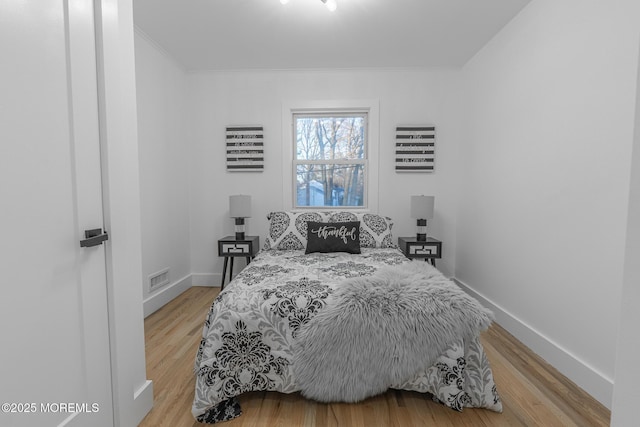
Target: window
(330,159)
(301,168)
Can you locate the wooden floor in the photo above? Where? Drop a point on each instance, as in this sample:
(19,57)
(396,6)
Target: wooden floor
(533,393)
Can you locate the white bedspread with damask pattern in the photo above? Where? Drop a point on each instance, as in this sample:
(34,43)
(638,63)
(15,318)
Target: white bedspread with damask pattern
(249,334)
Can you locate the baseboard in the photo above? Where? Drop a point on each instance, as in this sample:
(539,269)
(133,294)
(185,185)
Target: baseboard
(585,376)
(206,279)
(142,401)
(142,404)
(73,420)
(166,294)
(86,416)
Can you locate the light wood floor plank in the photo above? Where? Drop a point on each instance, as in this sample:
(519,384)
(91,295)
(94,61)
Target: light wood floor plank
(532,391)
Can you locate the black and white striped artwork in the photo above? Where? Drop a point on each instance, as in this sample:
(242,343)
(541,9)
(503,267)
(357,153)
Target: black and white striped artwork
(415,148)
(245,148)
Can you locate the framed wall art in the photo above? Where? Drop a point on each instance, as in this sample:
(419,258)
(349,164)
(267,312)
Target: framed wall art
(245,148)
(415,148)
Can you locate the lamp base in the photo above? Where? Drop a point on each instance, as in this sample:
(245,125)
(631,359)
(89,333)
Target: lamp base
(239,228)
(421,236)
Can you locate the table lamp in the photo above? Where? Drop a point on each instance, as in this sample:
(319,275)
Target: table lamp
(240,208)
(422,210)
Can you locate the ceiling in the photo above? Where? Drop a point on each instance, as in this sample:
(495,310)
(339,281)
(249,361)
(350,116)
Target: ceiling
(303,34)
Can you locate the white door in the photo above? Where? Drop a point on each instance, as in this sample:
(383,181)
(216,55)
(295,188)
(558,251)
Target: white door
(54,344)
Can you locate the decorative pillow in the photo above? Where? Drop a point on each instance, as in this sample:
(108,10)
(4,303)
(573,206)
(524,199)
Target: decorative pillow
(288,230)
(378,229)
(375,230)
(333,237)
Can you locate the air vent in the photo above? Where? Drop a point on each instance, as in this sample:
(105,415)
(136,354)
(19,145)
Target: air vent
(158,279)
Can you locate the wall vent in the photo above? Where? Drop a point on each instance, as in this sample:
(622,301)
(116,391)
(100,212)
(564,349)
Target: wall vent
(158,280)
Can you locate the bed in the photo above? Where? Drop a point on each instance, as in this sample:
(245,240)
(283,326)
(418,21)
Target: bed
(332,309)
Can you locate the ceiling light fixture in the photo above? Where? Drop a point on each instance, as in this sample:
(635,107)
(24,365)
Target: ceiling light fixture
(331,4)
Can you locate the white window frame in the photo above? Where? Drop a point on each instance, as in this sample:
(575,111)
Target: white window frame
(330,107)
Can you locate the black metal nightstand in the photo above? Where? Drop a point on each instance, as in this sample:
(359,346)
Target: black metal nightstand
(230,247)
(429,249)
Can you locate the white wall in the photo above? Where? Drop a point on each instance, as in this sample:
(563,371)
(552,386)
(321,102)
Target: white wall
(545,183)
(163,147)
(627,376)
(219,99)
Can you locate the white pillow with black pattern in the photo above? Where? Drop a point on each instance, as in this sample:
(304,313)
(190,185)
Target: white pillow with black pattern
(375,230)
(288,230)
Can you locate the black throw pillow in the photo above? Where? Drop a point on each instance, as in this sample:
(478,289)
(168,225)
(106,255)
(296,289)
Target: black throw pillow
(333,237)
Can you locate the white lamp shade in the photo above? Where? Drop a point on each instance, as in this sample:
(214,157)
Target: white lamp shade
(240,206)
(422,207)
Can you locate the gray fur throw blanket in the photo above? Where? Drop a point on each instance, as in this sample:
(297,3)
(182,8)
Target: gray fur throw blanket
(381,330)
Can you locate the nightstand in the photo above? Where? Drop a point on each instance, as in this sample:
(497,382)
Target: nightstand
(427,250)
(230,247)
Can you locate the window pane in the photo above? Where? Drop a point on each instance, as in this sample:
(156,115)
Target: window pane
(330,185)
(329,138)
